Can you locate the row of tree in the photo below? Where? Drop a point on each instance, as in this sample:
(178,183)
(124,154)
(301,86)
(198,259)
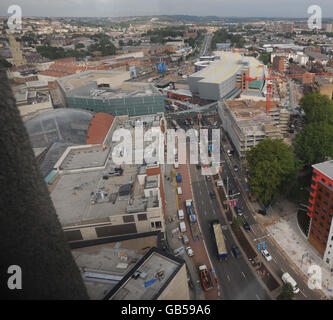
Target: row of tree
(222,36)
(273,165)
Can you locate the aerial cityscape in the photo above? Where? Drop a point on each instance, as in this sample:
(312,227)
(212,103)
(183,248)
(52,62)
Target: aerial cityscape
(167,154)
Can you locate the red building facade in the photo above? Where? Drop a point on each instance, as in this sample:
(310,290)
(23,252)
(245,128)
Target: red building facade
(320,209)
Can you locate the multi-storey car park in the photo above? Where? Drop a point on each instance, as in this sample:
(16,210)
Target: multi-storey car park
(110,92)
(225,77)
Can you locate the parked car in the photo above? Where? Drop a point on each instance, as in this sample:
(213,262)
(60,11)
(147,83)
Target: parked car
(229,152)
(189,251)
(246,226)
(219,183)
(208,178)
(198,166)
(212,194)
(185,239)
(236,252)
(266,254)
(180,214)
(236,168)
(239,211)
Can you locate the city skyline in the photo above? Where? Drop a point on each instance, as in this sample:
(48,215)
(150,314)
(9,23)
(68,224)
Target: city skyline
(126,8)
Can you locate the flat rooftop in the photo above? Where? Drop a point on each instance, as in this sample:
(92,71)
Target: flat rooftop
(228,64)
(82,158)
(103,265)
(148,280)
(247,109)
(112,77)
(251,116)
(222,69)
(95,191)
(72,195)
(326,168)
(104,85)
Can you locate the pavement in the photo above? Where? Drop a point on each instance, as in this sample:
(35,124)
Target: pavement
(280,262)
(295,245)
(174,235)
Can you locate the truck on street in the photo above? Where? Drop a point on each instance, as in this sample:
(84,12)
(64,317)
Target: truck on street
(206,278)
(190,210)
(219,238)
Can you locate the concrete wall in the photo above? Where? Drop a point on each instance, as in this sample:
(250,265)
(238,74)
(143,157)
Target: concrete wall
(89,231)
(177,288)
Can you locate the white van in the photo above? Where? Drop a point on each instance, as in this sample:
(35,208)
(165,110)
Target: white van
(219,183)
(179,191)
(180,214)
(287,278)
(182,226)
(176,165)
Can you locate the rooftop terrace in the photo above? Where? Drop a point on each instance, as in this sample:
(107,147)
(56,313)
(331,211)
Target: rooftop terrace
(103,265)
(148,279)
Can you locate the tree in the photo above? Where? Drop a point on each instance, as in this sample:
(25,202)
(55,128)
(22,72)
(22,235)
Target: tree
(314,143)
(287,292)
(265,57)
(237,222)
(271,166)
(317,108)
(79,46)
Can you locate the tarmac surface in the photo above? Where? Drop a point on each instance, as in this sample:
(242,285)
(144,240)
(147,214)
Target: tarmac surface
(295,245)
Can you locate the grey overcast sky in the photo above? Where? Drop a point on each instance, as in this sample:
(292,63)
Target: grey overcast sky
(116,8)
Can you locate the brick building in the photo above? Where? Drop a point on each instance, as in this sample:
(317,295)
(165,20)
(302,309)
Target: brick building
(279,63)
(321,210)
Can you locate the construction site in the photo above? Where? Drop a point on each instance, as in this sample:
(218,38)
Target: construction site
(247,123)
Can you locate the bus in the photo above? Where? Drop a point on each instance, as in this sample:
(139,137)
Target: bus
(219,238)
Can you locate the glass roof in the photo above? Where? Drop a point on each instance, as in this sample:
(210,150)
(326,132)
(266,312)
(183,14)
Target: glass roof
(59,125)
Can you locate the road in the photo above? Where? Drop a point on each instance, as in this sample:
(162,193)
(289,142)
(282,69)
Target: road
(237,282)
(206,44)
(279,264)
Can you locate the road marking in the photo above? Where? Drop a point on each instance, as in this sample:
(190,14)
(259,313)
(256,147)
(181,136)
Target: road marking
(228,277)
(303,294)
(243,275)
(282,270)
(258,297)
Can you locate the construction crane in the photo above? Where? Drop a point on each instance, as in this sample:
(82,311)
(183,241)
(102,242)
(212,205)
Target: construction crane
(270,77)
